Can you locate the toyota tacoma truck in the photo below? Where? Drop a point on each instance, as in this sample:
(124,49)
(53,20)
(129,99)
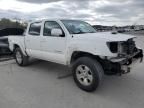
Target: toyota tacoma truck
(89,54)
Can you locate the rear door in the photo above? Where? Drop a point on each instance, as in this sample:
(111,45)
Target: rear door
(33,38)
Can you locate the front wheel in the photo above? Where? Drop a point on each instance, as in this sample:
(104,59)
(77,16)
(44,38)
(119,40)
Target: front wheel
(87,73)
(20,58)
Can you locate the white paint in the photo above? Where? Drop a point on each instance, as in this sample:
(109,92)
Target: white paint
(60,49)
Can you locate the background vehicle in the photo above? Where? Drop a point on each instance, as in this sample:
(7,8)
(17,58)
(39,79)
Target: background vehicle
(77,44)
(4,33)
(4,49)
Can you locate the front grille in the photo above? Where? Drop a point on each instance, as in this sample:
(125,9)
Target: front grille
(129,47)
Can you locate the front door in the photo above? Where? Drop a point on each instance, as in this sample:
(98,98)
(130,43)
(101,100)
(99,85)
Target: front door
(53,46)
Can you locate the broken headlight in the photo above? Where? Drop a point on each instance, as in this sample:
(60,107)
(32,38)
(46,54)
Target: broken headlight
(113,46)
(123,48)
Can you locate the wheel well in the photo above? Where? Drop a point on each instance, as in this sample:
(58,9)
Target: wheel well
(15,46)
(78,54)
(108,67)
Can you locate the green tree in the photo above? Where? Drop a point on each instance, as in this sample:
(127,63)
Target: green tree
(7,23)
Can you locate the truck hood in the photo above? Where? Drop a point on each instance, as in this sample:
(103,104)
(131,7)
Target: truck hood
(107,36)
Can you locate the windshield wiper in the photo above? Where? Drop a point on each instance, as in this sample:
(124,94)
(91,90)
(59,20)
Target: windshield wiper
(79,32)
(92,32)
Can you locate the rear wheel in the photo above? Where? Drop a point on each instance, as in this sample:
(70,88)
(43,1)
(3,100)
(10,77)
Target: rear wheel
(87,73)
(20,58)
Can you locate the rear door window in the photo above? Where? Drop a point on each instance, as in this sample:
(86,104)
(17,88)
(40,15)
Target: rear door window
(35,29)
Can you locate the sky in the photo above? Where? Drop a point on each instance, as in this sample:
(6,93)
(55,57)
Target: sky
(100,12)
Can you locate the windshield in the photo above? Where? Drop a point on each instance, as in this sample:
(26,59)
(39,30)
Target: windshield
(78,27)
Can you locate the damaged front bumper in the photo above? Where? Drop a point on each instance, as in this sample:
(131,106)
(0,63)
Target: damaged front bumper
(122,65)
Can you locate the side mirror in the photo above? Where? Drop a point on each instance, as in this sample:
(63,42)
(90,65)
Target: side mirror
(56,32)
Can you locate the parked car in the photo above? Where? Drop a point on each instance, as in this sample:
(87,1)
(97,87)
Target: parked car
(4,49)
(11,31)
(77,44)
(121,31)
(4,33)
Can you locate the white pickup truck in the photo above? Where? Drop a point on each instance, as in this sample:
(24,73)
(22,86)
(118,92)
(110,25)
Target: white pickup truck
(75,43)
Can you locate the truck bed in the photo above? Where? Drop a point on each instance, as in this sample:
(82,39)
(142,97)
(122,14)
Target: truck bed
(17,39)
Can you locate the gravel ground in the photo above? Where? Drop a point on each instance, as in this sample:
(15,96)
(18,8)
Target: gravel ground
(49,85)
(137,33)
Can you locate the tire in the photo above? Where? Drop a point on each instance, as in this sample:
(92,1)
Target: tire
(20,58)
(87,73)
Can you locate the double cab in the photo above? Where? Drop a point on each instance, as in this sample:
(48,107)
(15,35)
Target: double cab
(89,54)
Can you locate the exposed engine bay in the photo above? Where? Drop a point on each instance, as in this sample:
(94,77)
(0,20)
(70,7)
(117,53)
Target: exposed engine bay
(127,55)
